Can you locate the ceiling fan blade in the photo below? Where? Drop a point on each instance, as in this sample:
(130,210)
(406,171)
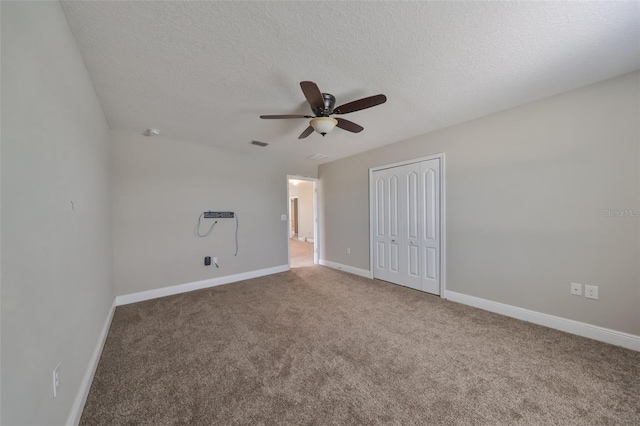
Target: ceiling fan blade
(363,103)
(306,132)
(349,126)
(286,116)
(313,94)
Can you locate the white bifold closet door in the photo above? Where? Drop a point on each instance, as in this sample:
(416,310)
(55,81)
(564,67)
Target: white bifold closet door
(407,225)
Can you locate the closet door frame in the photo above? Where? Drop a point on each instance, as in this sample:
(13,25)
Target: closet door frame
(443,239)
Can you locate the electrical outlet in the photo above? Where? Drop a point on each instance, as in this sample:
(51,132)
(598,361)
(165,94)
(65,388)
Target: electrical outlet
(56,380)
(283,217)
(348,250)
(591,291)
(576,289)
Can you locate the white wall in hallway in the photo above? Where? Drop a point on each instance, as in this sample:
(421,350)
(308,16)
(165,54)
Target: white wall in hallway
(304,191)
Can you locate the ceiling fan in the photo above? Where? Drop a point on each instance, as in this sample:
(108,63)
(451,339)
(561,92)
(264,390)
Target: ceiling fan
(323,106)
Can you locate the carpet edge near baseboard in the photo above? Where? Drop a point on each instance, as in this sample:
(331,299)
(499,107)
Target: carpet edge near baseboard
(602,334)
(346,268)
(196,285)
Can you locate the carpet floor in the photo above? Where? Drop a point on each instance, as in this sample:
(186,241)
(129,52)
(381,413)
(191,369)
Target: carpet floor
(315,346)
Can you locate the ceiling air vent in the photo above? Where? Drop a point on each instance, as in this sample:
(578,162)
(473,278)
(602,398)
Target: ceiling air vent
(318,157)
(258,143)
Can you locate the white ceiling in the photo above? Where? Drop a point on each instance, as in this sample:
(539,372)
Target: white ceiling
(205,71)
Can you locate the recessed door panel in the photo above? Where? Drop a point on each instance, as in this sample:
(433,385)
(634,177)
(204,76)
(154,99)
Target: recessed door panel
(431,271)
(394,257)
(412,205)
(430,204)
(414,261)
(393,206)
(380,217)
(380,255)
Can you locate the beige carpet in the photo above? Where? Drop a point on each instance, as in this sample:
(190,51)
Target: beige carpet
(315,346)
(301,253)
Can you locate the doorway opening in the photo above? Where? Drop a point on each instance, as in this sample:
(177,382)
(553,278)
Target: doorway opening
(302,229)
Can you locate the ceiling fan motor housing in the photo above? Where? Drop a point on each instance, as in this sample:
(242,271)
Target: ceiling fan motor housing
(329,104)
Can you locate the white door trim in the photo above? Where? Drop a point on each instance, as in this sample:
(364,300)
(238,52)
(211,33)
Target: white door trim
(316,241)
(316,246)
(443,227)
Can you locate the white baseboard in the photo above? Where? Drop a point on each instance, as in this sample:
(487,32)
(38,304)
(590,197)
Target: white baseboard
(197,285)
(346,268)
(85,385)
(618,338)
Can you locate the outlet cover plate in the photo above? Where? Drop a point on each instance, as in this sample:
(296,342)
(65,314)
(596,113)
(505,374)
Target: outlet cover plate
(591,291)
(576,289)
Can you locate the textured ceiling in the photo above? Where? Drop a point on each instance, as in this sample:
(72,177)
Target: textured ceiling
(205,71)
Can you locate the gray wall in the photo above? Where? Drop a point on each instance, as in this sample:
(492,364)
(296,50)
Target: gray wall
(526,194)
(159,188)
(56,291)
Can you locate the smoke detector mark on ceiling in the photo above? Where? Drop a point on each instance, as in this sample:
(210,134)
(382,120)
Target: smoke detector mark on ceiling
(258,143)
(151,132)
(318,157)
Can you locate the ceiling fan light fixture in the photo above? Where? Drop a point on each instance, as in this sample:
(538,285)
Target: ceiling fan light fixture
(323,106)
(323,125)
